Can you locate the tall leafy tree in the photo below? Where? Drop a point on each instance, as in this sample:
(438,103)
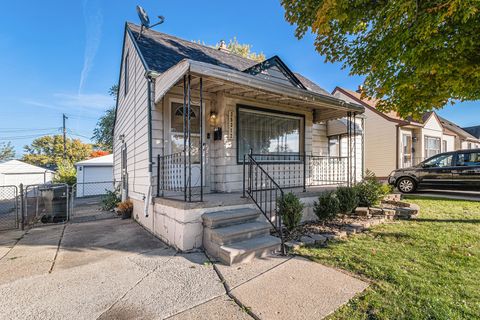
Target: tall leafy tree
(7,152)
(47,151)
(103,132)
(415,55)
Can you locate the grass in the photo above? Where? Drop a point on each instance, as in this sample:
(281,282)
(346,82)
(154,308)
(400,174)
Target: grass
(423,269)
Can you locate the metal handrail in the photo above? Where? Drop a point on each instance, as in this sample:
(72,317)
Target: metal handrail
(265,193)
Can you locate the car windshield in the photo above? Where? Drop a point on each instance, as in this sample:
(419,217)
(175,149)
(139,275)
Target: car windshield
(444,160)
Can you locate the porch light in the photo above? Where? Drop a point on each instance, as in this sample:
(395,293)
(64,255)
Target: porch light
(213,118)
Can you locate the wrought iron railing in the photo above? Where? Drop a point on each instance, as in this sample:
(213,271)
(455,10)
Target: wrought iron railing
(265,193)
(302,171)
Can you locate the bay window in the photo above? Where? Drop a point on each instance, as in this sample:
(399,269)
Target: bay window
(268,133)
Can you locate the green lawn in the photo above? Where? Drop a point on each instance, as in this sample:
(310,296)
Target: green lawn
(423,269)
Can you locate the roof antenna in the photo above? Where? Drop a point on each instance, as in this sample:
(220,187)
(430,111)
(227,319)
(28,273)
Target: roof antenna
(142,14)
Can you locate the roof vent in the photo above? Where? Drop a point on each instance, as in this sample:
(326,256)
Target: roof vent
(223,46)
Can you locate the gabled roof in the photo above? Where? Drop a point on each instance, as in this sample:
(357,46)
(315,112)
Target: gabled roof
(474,131)
(457,129)
(371,104)
(20,167)
(161,51)
(98,161)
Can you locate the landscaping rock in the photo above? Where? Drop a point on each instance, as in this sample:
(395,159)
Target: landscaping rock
(393,197)
(293,245)
(329,236)
(362,211)
(319,239)
(376,211)
(340,235)
(307,240)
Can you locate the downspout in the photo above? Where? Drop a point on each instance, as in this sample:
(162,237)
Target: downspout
(150,76)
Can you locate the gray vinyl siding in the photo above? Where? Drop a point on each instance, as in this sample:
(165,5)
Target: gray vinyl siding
(131,121)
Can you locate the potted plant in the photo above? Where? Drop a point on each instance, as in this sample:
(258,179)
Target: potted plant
(125,209)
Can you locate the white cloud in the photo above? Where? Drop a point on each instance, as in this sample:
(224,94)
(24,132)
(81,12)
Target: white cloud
(93,18)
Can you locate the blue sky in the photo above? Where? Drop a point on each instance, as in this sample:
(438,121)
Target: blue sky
(62,56)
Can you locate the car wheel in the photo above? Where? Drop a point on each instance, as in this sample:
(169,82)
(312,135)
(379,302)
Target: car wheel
(406,185)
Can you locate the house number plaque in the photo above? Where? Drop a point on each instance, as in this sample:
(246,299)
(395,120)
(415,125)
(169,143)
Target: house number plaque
(230,124)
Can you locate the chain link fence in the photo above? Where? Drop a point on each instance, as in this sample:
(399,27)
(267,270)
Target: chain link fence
(9,213)
(46,203)
(88,200)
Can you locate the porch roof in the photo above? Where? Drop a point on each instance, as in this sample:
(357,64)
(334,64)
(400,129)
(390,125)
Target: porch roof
(216,79)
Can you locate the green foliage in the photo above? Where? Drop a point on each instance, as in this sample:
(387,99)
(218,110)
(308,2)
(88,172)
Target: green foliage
(327,207)
(291,210)
(47,151)
(65,173)
(7,152)
(418,270)
(244,50)
(103,132)
(415,55)
(370,191)
(348,199)
(111,199)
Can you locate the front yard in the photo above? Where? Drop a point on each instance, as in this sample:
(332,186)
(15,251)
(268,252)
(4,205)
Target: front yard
(427,268)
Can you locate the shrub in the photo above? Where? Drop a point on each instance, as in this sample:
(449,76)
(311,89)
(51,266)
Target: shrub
(111,199)
(370,191)
(348,199)
(125,207)
(327,206)
(291,210)
(65,173)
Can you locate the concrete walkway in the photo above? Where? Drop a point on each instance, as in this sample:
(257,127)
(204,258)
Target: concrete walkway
(114,269)
(289,287)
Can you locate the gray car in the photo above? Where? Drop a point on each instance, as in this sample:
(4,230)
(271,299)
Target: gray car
(457,170)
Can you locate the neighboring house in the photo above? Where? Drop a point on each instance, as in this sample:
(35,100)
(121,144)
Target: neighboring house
(392,142)
(474,131)
(16,172)
(94,176)
(193,122)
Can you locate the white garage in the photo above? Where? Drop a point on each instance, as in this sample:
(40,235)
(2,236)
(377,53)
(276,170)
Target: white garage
(94,176)
(15,172)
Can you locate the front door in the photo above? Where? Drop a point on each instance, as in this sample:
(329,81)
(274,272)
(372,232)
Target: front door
(407,150)
(177,142)
(466,174)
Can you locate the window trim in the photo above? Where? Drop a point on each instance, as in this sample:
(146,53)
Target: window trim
(271,111)
(425,145)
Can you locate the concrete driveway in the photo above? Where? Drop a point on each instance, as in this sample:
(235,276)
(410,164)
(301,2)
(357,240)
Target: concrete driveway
(115,269)
(108,269)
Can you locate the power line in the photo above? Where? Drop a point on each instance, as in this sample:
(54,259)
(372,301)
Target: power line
(13,130)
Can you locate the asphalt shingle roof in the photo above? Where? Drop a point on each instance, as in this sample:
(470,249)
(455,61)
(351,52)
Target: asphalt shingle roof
(475,131)
(162,51)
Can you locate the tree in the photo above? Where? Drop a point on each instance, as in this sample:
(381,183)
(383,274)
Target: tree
(66,173)
(7,152)
(47,151)
(415,55)
(244,50)
(103,132)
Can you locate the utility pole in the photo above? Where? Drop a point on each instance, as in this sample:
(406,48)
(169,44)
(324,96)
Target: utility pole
(64,137)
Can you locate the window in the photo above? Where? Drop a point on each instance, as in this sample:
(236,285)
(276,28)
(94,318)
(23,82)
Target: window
(125,75)
(268,133)
(432,146)
(444,160)
(469,145)
(176,125)
(468,159)
(334,146)
(445,147)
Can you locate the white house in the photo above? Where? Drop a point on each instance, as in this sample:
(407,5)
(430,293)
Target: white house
(15,172)
(94,176)
(197,127)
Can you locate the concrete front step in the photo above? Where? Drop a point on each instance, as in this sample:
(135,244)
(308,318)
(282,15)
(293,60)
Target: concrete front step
(237,232)
(229,217)
(245,251)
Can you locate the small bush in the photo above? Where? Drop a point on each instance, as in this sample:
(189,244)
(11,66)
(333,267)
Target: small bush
(291,210)
(65,173)
(327,207)
(111,199)
(370,191)
(125,207)
(348,199)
